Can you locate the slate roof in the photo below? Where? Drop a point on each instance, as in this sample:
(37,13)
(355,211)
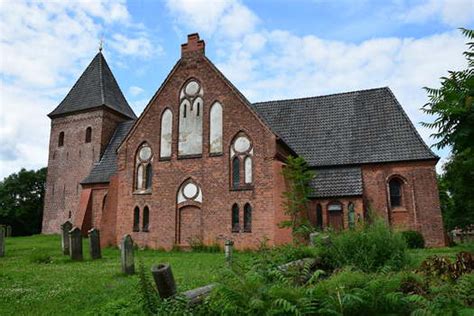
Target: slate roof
(342,181)
(366,126)
(95,87)
(107,166)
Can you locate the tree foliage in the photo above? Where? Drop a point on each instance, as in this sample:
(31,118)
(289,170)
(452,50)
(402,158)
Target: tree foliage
(298,177)
(21,201)
(453,106)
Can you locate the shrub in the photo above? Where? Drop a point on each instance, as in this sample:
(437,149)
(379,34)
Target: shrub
(442,267)
(41,258)
(414,239)
(369,248)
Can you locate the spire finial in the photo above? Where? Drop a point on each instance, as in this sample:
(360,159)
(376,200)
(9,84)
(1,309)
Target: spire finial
(101,44)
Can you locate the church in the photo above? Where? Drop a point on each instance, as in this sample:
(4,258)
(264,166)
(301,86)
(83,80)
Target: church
(202,164)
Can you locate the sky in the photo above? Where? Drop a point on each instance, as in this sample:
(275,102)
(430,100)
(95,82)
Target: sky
(269,49)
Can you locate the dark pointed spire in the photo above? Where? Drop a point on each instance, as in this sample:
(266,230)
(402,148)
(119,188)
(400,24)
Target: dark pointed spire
(96,87)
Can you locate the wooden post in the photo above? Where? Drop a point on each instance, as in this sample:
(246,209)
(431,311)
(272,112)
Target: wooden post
(2,241)
(164,280)
(65,229)
(94,241)
(128,261)
(75,244)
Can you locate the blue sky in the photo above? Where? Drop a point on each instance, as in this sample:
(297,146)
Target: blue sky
(268,49)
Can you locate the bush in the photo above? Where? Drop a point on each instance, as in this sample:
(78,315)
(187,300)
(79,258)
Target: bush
(413,239)
(41,258)
(369,248)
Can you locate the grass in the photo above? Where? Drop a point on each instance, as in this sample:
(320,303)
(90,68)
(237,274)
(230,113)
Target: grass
(36,279)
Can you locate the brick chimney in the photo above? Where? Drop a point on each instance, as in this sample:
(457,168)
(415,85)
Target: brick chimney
(193,46)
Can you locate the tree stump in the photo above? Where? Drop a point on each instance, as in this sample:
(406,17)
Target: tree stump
(164,280)
(75,244)
(128,261)
(94,240)
(65,229)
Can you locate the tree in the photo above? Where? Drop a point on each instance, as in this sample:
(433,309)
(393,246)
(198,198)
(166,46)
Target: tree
(298,177)
(21,201)
(452,104)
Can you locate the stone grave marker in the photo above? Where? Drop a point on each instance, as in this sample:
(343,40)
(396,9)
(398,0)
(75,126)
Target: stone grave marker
(75,244)
(94,240)
(126,249)
(9,231)
(65,228)
(228,249)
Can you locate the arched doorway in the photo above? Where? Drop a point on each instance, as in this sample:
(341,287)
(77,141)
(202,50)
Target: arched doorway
(190,225)
(335,216)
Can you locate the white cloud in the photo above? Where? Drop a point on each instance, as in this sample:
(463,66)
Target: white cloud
(44,46)
(455,13)
(139,46)
(134,90)
(225,17)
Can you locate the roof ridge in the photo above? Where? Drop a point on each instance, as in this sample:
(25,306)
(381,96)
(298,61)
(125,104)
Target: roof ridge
(101,78)
(322,96)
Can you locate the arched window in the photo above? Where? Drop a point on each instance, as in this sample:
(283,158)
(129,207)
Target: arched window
(242,151)
(215,133)
(247,218)
(136,219)
(88,134)
(61,139)
(236,173)
(190,119)
(144,171)
(189,191)
(166,133)
(395,187)
(319,216)
(235,218)
(146,219)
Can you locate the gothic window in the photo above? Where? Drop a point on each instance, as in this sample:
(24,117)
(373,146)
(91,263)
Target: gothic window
(146,219)
(144,172)
(190,119)
(88,134)
(136,219)
(166,133)
(215,133)
(241,153)
(235,173)
(235,218)
(247,218)
(61,139)
(319,216)
(395,187)
(189,191)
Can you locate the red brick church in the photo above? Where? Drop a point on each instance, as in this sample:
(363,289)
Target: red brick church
(203,164)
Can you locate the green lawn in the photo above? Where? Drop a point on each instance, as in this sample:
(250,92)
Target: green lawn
(76,288)
(59,287)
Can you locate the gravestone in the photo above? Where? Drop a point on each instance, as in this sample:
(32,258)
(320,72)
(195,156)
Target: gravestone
(313,238)
(94,240)
(9,231)
(65,228)
(164,280)
(75,244)
(2,241)
(228,249)
(126,248)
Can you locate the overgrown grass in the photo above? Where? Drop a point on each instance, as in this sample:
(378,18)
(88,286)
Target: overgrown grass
(36,279)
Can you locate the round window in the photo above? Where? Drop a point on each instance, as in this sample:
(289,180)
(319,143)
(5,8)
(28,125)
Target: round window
(242,144)
(192,88)
(190,190)
(145,153)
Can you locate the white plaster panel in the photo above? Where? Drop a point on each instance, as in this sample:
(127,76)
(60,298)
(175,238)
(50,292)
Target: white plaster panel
(248,169)
(215,134)
(192,88)
(190,130)
(166,133)
(242,144)
(145,153)
(190,190)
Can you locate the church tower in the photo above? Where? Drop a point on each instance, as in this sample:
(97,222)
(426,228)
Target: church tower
(81,127)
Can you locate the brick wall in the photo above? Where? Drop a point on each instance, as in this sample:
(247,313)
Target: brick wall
(70,164)
(420,208)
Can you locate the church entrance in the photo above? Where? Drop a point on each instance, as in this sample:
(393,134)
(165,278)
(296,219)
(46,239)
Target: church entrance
(190,225)
(335,216)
